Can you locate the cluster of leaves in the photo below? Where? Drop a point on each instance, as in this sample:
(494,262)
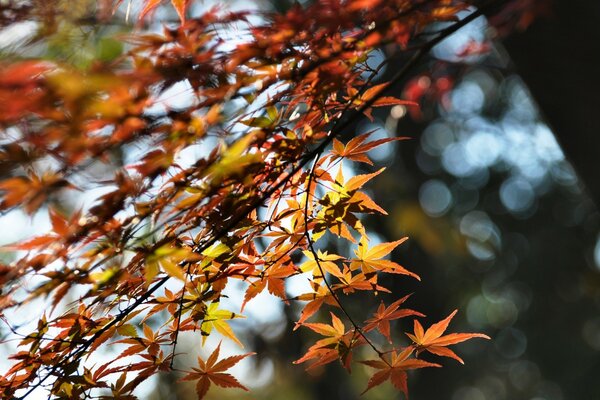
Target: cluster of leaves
(267,115)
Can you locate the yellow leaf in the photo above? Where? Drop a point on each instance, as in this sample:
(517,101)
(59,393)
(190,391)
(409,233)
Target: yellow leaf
(215,318)
(224,329)
(233,160)
(151,271)
(383,249)
(103,277)
(216,250)
(370,260)
(172,269)
(190,201)
(356,182)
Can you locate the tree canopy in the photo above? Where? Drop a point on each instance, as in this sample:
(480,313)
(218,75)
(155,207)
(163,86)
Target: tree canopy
(246,177)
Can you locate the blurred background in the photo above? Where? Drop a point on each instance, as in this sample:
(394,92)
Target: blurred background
(496,189)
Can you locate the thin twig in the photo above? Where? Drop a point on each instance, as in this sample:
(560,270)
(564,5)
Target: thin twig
(179,313)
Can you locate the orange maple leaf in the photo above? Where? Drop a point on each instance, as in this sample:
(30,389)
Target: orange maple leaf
(433,341)
(383,316)
(337,344)
(351,282)
(273,279)
(211,371)
(356,149)
(395,369)
(316,299)
(370,260)
(334,331)
(179,5)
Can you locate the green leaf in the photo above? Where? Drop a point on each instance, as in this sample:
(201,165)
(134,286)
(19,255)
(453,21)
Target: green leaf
(127,330)
(172,269)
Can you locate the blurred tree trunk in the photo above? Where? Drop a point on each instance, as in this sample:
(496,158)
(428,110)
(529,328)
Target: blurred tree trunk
(559,60)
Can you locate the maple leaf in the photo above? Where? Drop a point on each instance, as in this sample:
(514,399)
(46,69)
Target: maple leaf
(356,149)
(324,262)
(339,205)
(383,316)
(149,7)
(360,202)
(151,342)
(375,92)
(351,282)
(337,344)
(309,309)
(316,299)
(334,331)
(433,341)
(165,218)
(179,5)
(357,181)
(215,318)
(395,369)
(273,279)
(168,258)
(212,371)
(370,260)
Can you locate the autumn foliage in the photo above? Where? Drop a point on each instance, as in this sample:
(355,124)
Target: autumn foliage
(272,118)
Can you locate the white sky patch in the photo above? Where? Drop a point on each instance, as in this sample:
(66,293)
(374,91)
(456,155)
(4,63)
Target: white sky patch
(262,309)
(178,96)
(89,198)
(298,284)
(17,225)
(14,34)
